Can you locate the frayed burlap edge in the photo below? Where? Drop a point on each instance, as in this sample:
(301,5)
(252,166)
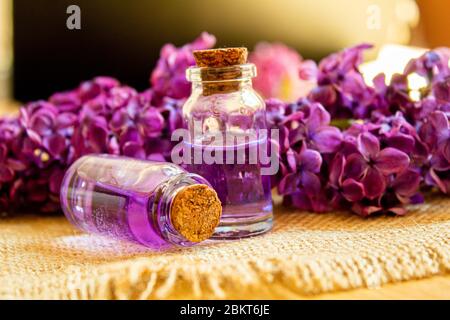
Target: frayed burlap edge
(273,278)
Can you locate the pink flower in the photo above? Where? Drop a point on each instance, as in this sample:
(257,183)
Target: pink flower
(282,73)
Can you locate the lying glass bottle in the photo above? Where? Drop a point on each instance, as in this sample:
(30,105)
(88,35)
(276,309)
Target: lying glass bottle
(154,203)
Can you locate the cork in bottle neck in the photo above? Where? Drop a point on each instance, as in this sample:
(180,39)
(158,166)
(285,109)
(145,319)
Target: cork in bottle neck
(220,70)
(195,212)
(220,58)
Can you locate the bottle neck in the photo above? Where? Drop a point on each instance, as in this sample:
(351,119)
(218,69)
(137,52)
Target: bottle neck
(221,80)
(208,88)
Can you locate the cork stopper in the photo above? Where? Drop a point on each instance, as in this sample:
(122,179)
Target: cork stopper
(217,80)
(222,57)
(196,212)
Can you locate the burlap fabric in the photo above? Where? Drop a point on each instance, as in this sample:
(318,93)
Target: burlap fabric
(45,257)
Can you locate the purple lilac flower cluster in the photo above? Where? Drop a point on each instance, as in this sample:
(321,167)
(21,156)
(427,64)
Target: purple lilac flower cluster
(168,79)
(375,166)
(100,116)
(341,88)
(394,148)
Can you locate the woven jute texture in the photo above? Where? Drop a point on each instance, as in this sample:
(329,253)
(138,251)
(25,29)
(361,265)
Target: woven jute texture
(46,258)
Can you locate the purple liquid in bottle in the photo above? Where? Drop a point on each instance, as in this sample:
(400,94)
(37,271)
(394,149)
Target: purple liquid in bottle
(125,198)
(244,192)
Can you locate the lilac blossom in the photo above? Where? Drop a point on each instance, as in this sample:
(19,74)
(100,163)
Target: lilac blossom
(168,79)
(343,189)
(100,116)
(341,88)
(311,123)
(433,64)
(372,164)
(435,132)
(302,186)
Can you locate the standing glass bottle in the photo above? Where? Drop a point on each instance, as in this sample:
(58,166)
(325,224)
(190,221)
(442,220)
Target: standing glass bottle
(226,118)
(154,203)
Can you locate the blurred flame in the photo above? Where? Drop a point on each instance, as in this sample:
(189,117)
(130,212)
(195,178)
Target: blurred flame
(416,82)
(392,59)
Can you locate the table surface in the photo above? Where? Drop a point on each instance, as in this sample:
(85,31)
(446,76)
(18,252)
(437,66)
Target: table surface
(437,287)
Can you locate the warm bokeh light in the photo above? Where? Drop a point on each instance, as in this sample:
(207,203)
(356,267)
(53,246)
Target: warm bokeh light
(5,47)
(392,59)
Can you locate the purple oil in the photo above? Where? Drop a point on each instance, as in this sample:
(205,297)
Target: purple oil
(244,191)
(118,197)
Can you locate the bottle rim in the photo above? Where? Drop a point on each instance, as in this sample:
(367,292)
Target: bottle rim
(222,74)
(164,219)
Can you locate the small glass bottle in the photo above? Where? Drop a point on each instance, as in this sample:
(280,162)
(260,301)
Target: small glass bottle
(154,203)
(224,104)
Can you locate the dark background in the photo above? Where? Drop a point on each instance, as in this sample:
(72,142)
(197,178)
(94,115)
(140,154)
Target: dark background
(119,38)
(122,38)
